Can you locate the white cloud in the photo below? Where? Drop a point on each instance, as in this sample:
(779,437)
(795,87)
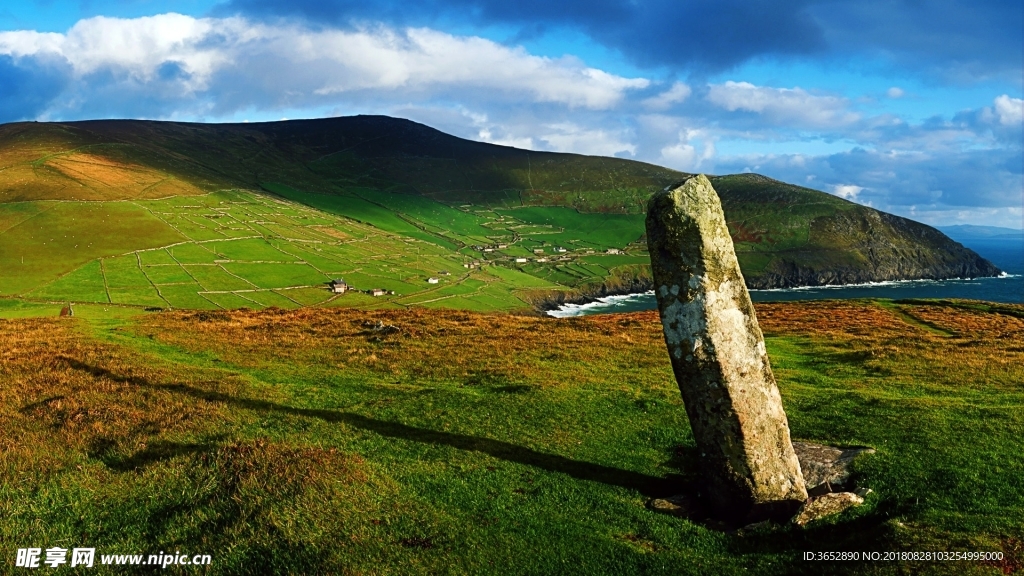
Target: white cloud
(847,191)
(267,64)
(792,106)
(895,92)
(570,137)
(1010,111)
(692,151)
(679,92)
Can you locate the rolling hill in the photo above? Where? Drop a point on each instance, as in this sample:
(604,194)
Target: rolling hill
(183,215)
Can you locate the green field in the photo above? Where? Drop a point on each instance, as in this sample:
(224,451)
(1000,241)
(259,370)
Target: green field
(308,442)
(234,248)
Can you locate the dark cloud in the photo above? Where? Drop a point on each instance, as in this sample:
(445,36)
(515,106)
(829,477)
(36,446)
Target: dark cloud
(28,86)
(702,35)
(955,39)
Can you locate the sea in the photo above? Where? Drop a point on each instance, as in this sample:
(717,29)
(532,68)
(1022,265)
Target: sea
(1007,255)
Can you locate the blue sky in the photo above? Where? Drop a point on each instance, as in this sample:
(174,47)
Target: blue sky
(911,107)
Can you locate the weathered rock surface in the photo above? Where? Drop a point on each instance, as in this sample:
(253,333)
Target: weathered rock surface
(826,505)
(718,357)
(825,468)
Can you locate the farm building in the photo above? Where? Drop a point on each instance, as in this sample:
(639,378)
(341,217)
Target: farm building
(520,260)
(378,292)
(538,250)
(444,273)
(560,249)
(433,280)
(541,260)
(338,286)
(614,251)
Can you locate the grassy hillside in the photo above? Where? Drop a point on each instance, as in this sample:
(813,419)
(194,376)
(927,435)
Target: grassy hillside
(77,199)
(428,441)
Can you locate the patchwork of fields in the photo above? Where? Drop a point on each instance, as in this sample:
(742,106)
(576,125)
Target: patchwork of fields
(235,249)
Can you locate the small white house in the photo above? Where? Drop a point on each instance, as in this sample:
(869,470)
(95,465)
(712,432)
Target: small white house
(433,280)
(614,251)
(538,250)
(560,249)
(378,292)
(338,286)
(520,260)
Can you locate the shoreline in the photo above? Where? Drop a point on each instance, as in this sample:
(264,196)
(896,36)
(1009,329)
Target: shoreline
(576,307)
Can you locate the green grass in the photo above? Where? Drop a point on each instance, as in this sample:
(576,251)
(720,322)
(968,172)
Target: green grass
(62,236)
(300,442)
(362,210)
(186,296)
(140,296)
(167,274)
(83,285)
(123,272)
(277,275)
(249,249)
(232,301)
(191,254)
(270,298)
(465,226)
(566,226)
(216,278)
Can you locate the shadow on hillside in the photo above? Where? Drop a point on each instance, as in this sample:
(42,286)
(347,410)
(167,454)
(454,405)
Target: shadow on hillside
(650,486)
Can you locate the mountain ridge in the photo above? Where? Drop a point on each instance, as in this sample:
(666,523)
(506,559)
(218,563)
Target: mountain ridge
(785,235)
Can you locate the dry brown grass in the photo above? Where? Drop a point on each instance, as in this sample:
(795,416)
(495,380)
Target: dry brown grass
(77,179)
(64,394)
(432,344)
(459,345)
(831,318)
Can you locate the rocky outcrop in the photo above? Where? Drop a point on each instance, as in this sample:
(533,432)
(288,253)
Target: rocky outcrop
(718,356)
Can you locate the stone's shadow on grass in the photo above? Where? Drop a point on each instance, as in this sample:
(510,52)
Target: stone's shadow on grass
(158,451)
(42,403)
(871,531)
(650,486)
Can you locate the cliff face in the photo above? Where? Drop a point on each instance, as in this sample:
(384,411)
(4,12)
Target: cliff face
(864,245)
(788,236)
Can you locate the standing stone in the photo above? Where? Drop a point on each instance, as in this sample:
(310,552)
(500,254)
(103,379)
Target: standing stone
(719,358)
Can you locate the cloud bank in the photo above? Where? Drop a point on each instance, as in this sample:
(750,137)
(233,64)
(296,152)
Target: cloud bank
(951,168)
(951,40)
(221,65)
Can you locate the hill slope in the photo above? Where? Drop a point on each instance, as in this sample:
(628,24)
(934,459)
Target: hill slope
(410,181)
